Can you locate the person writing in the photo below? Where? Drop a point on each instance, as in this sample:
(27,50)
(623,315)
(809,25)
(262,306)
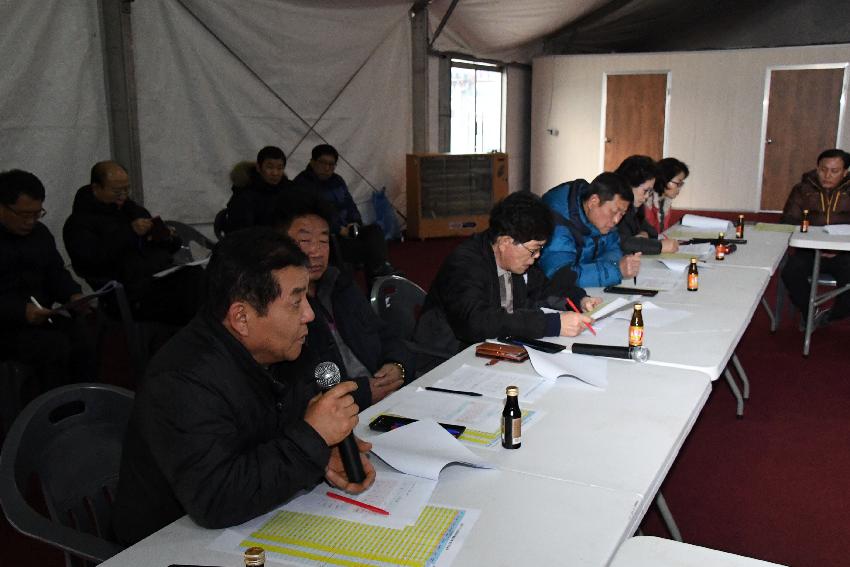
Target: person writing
(491,285)
(668,186)
(636,234)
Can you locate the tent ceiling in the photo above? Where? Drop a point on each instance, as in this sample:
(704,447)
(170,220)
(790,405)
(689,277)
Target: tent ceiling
(508,30)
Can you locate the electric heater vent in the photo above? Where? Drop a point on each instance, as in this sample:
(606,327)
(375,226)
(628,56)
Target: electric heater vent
(449,194)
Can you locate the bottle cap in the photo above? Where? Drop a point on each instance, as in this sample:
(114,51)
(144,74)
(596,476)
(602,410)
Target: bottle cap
(693,260)
(806,211)
(638,306)
(512,391)
(255,556)
(740,216)
(721,234)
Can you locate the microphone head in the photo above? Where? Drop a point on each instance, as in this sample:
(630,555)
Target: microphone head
(327,375)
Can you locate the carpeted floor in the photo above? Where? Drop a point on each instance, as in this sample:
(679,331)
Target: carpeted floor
(773,485)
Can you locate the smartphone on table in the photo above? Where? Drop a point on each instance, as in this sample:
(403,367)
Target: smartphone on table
(386,422)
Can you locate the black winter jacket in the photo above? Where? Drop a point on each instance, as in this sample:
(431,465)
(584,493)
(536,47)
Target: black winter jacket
(254,204)
(215,435)
(632,223)
(372,341)
(463,305)
(31,266)
(103,246)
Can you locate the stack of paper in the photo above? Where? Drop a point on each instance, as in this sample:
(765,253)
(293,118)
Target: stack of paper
(839,229)
(708,223)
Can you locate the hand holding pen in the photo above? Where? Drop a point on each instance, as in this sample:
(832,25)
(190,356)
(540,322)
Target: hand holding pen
(36,314)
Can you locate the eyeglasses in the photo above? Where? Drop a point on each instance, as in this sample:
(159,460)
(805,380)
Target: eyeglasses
(28,216)
(120,191)
(678,184)
(534,253)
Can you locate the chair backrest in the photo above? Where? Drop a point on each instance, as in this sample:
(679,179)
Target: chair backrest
(70,440)
(398,301)
(220,224)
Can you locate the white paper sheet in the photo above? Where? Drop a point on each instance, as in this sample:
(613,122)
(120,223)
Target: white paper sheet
(561,365)
(171,270)
(492,383)
(482,414)
(423,448)
(708,223)
(839,229)
(402,495)
(656,316)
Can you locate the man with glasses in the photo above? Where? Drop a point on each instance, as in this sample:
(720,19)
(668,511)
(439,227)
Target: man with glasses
(636,234)
(32,278)
(491,286)
(584,239)
(359,243)
(111,237)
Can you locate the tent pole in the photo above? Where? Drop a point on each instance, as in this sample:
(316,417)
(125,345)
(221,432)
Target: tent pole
(419,67)
(119,73)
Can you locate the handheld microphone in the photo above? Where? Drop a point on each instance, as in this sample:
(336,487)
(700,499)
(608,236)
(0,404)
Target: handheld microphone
(327,376)
(639,354)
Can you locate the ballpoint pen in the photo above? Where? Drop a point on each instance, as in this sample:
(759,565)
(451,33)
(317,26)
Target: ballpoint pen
(357,503)
(447,391)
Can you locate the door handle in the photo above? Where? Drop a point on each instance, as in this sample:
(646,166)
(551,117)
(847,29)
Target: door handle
(769,141)
(608,140)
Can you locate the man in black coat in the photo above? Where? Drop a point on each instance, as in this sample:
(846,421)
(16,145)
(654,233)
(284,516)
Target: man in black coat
(32,278)
(223,429)
(358,243)
(111,237)
(346,330)
(257,189)
(491,286)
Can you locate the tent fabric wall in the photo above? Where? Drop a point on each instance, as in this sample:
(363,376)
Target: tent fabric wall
(53,120)
(217,80)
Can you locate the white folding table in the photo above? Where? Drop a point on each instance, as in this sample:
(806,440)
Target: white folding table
(647,551)
(818,239)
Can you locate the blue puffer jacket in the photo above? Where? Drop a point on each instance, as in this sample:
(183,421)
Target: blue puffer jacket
(578,244)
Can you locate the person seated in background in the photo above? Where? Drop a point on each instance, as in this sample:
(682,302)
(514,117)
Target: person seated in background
(110,237)
(637,235)
(825,193)
(490,285)
(585,239)
(358,243)
(256,189)
(32,278)
(223,429)
(667,187)
(346,330)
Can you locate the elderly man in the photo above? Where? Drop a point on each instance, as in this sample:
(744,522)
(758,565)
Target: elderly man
(490,285)
(825,193)
(32,278)
(222,428)
(345,330)
(358,242)
(584,239)
(110,237)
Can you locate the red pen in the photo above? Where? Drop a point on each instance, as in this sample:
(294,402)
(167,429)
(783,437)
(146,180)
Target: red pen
(576,309)
(354,502)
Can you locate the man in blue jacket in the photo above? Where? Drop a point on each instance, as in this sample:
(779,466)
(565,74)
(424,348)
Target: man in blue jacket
(584,239)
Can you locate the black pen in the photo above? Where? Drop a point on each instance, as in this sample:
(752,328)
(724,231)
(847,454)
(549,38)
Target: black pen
(461,392)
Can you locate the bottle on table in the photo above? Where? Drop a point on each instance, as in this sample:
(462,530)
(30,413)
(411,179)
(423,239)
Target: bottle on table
(693,276)
(804,224)
(720,248)
(636,327)
(255,557)
(511,419)
(739,228)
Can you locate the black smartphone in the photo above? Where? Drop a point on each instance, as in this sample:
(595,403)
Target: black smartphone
(630,290)
(386,422)
(543,346)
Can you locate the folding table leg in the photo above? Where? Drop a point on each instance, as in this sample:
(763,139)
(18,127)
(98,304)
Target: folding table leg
(735,392)
(667,516)
(742,375)
(773,318)
(810,318)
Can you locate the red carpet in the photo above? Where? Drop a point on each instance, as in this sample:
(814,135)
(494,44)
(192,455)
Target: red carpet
(773,485)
